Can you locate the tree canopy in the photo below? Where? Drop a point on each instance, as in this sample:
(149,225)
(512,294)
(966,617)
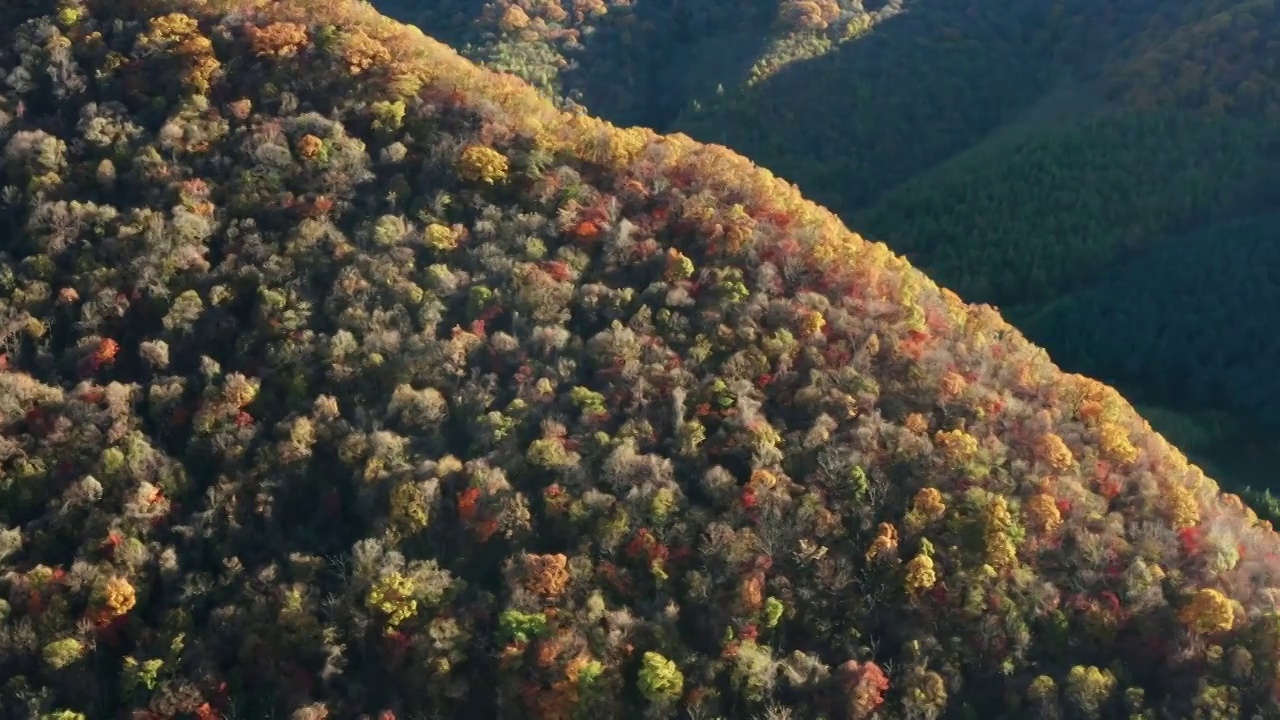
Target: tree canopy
(341,377)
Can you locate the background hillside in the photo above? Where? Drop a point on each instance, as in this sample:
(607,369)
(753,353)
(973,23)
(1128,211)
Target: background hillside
(1101,170)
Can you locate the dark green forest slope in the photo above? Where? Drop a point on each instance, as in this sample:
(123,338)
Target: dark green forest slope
(341,378)
(1018,151)
(1194,321)
(974,219)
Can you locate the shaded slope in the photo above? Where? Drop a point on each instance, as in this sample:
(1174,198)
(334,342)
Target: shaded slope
(344,377)
(1217,55)
(635,63)
(1025,219)
(1195,317)
(855,121)
(858,120)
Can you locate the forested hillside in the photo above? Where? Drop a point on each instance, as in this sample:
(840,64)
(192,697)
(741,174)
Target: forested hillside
(1018,151)
(342,378)
(1026,218)
(1194,320)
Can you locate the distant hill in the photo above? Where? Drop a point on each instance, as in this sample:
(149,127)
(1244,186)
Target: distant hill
(343,378)
(1017,151)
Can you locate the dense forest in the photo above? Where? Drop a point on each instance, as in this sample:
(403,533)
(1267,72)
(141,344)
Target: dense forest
(1019,152)
(1192,321)
(343,378)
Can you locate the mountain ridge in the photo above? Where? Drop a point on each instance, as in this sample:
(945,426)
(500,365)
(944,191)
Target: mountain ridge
(871,109)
